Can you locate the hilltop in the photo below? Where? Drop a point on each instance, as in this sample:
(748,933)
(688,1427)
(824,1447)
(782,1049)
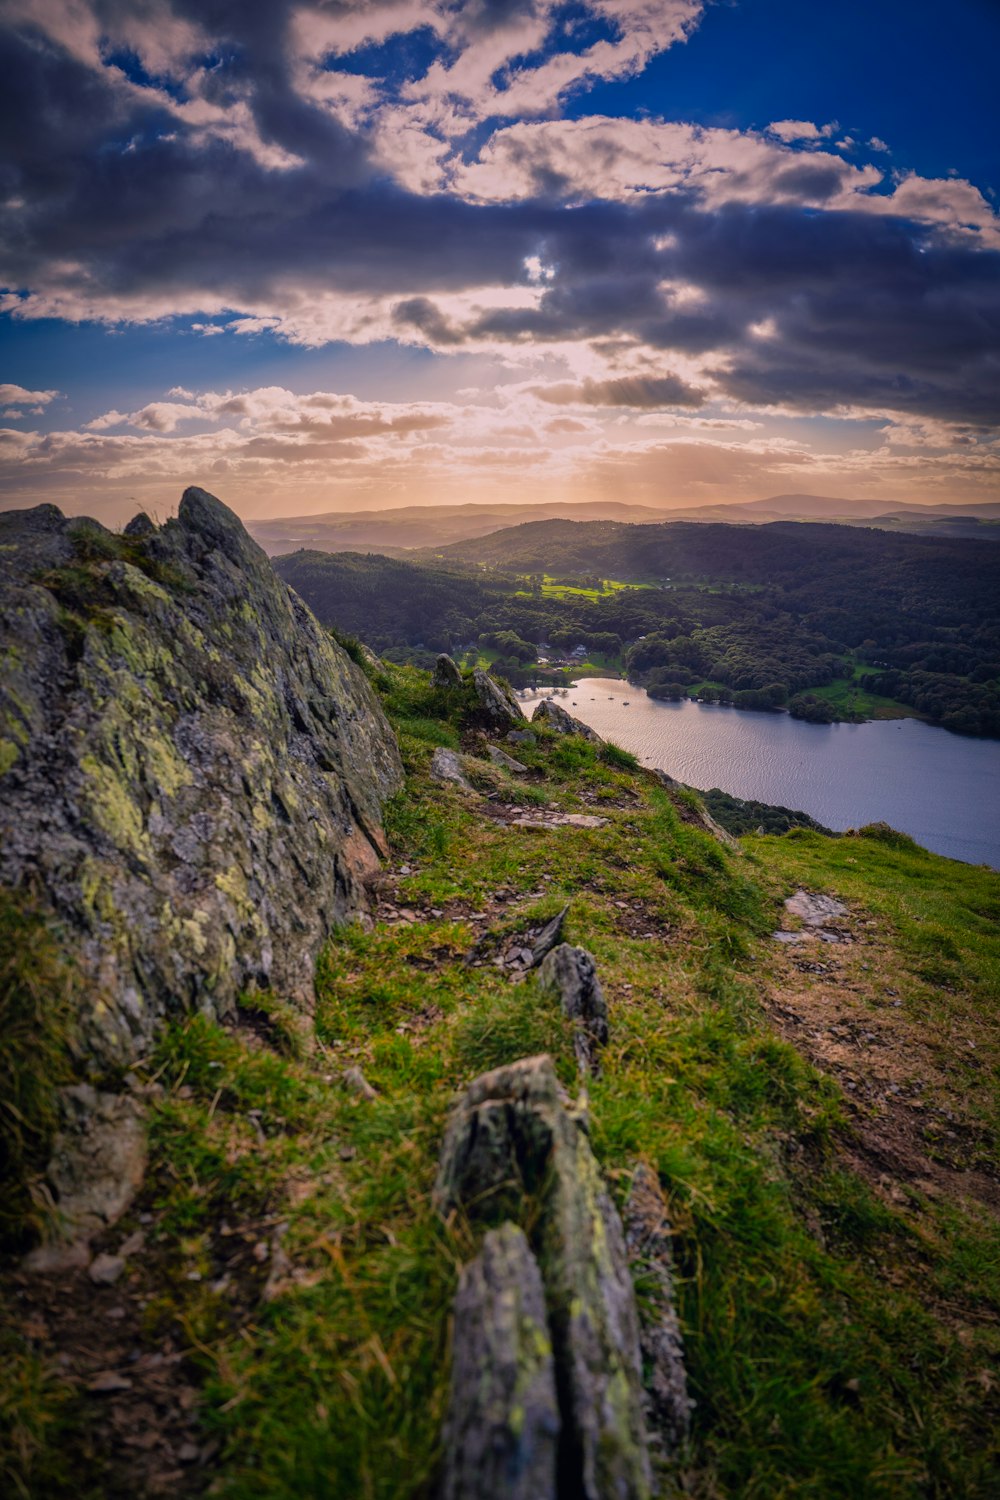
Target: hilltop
(397,530)
(811,1121)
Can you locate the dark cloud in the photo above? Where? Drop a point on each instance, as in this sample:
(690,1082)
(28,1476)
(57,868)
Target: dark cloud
(123,199)
(642,392)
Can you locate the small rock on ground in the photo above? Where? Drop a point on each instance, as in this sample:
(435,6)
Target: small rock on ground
(104,1270)
(446,673)
(501,758)
(446,767)
(571,974)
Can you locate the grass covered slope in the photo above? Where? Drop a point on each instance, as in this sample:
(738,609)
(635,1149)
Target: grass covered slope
(822,1118)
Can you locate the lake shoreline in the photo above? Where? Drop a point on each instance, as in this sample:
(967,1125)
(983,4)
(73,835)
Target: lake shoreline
(940,788)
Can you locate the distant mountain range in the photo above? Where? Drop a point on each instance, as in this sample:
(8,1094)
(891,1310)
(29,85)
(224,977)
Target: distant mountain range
(396,532)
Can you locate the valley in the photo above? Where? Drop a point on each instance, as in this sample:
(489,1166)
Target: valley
(832,623)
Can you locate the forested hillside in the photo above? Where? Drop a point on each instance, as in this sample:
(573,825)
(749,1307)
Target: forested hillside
(835,622)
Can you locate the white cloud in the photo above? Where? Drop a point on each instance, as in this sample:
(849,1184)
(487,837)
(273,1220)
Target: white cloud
(16,395)
(333,450)
(598,157)
(800,130)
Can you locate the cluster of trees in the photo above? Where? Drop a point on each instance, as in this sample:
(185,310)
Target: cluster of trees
(766,653)
(755,616)
(964,705)
(739,816)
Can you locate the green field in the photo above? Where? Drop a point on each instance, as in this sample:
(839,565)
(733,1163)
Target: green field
(853,703)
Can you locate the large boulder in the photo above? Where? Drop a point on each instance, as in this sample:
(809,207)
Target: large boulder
(550,715)
(193,772)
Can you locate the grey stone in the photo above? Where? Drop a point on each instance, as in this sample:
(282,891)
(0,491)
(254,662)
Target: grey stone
(56,1258)
(550,935)
(104,1270)
(446,673)
(98,1160)
(497,705)
(373,661)
(559,820)
(571,974)
(513,1147)
(140,525)
(501,758)
(355,1080)
(647,1242)
(501,1435)
(550,715)
(194,771)
(446,766)
(814,908)
(521,737)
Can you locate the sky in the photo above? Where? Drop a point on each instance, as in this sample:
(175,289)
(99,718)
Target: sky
(338,256)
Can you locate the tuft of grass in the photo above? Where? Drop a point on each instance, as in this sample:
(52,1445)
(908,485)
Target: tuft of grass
(614,755)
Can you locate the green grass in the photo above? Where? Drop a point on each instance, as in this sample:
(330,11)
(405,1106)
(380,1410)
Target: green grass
(854,703)
(36,1022)
(551,588)
(836,1341)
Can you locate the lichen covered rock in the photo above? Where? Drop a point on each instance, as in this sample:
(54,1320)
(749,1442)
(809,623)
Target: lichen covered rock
(446,767)
(498,709)
(549,715)
(515,1148)
(501,1437)
(193,771)
(571,974)
(446,673)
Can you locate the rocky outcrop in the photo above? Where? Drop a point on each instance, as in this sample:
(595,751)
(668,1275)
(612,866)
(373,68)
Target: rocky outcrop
(571,974)
(446,673)
(502,1432)
(498,709)
(515,1149)
(699,813)
(193,771)
(549,715)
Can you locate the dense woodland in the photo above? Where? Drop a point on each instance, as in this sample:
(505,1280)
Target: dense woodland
(761,617)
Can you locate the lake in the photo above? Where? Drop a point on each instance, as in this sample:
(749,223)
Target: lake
(940,788)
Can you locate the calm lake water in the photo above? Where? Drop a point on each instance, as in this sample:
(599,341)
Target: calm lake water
(941,788)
